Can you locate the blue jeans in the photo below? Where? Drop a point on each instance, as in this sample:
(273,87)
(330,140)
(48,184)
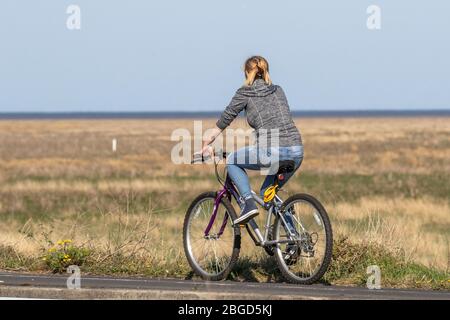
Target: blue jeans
(254,158)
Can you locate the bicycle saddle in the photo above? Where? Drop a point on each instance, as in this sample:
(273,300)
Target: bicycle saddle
(286,166)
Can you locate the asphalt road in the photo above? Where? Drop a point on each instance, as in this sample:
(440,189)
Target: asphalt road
(214,290)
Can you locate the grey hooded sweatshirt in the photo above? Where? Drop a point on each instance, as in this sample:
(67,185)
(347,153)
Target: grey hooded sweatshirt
(267,112)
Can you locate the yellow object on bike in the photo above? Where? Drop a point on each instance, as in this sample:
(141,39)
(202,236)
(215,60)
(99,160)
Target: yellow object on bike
(270,192)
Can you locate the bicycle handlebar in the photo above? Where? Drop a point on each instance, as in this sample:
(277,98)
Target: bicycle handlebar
(199,158)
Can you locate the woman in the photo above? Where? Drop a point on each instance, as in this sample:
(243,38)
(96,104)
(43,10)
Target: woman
(277,137)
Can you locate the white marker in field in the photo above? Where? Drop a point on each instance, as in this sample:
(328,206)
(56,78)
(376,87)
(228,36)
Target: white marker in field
(114,145)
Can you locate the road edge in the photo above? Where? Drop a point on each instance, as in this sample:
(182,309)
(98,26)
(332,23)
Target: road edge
(136,294)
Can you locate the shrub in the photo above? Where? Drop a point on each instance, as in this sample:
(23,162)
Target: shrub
(64,254)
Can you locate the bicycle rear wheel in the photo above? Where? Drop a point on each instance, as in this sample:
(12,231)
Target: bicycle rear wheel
(306,259)
(213,254)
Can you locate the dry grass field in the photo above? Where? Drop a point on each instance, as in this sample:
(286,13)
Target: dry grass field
(385,183)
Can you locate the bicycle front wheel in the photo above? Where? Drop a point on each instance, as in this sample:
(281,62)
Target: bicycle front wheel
(306,258)
(211,244)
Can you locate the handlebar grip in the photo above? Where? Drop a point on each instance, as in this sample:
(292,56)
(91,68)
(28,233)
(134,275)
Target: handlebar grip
(199,158)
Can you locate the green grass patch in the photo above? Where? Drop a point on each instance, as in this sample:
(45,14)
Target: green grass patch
(351,187)
(10,259)
(437,227)
(349,266)
(350,262)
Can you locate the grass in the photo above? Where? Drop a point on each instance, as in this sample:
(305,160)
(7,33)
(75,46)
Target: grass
(350,262)
(349,266)
(385,184)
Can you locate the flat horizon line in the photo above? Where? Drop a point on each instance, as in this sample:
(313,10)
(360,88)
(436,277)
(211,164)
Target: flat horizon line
(193,114)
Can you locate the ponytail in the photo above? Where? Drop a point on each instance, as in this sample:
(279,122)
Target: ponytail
(256,67)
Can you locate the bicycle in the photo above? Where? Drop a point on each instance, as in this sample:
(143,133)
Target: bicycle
(302,244)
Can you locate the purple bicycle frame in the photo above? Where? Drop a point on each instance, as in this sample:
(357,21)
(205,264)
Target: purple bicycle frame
(228,190)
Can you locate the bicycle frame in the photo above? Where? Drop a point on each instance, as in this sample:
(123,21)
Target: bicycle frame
(272,208)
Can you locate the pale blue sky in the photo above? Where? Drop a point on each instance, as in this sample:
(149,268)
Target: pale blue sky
(182,55)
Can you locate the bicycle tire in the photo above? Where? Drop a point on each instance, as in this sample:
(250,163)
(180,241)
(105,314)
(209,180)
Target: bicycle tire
(282,265)
(236,239)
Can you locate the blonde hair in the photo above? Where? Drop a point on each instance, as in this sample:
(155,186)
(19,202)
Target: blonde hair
(256,67)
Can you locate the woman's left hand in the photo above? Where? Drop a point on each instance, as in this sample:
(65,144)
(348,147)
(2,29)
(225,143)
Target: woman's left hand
(207,151)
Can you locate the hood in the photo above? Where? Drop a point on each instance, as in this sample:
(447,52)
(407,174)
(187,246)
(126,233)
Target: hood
(258,89)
